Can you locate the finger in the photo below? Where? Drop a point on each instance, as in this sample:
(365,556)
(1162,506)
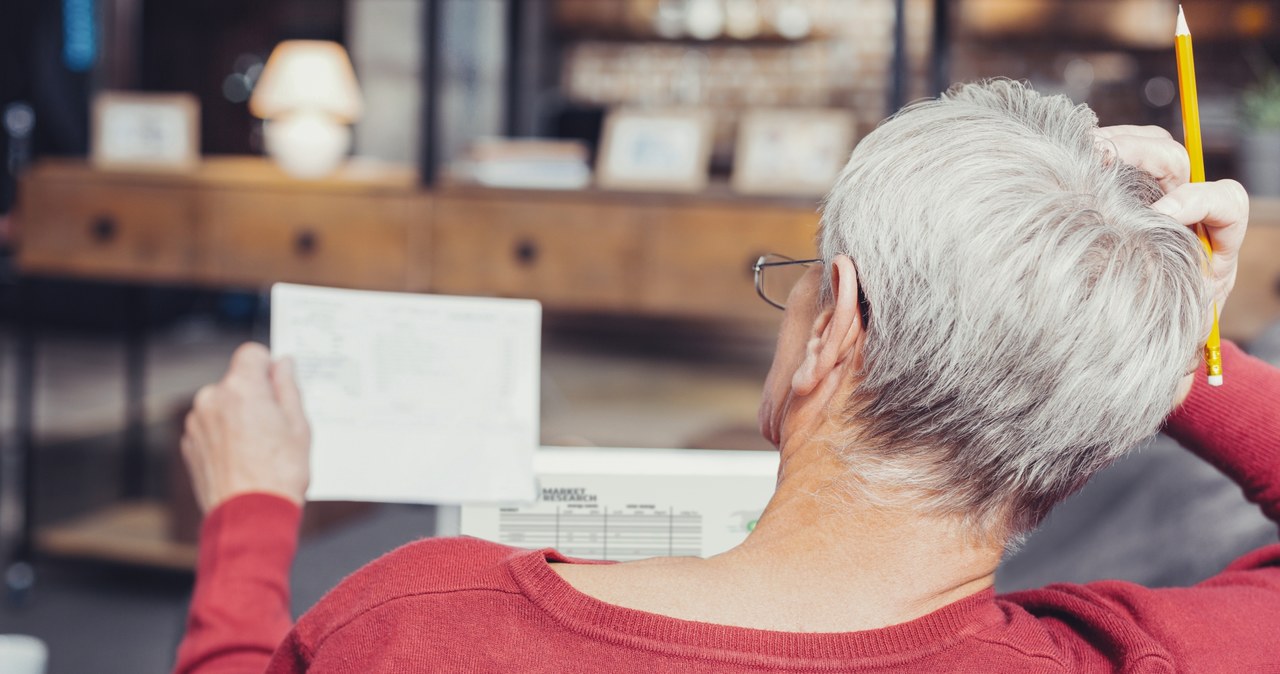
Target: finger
(205,398)
(1223,207)
(251,356)
(251,365)
(192,456)
(1133,130)
(191,428)
(204,414)
(188,446)
(197,428)
(195,470)
(284,381)
(1164,158)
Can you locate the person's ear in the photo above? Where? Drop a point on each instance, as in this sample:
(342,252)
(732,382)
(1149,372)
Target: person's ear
(833,338)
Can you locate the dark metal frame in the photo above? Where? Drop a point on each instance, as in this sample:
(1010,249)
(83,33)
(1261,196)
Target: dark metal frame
(432,36)
(24,418)
(864,307)
(940,57)
(898,86)
(527,48)
(135,320)
(761,265)
(941,45)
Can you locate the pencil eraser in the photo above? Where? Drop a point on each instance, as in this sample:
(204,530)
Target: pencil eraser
(1215,380)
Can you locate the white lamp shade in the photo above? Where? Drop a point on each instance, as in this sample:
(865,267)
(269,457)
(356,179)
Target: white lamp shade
(307,75)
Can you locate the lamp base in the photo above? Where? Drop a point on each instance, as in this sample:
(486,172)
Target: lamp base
(307,145)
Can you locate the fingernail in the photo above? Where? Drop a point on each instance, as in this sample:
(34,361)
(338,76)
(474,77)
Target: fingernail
(1167,206)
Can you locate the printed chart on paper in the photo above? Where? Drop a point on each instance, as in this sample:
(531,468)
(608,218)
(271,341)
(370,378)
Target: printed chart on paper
(650,503)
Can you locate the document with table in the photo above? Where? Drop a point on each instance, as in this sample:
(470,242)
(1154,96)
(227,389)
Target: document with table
(626,504)
(414,398)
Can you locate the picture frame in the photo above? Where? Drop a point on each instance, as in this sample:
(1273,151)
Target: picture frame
(792,151)
(656,150)
(145,131)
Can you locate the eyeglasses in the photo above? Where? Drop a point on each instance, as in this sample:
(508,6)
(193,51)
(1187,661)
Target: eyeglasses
(782,275)
(776,275)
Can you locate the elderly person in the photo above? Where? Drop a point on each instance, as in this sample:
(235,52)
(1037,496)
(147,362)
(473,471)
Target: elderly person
(1007,299)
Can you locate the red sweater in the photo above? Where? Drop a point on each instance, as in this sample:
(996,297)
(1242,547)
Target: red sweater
(466,605)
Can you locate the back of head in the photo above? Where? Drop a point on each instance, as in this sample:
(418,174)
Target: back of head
(1030,318)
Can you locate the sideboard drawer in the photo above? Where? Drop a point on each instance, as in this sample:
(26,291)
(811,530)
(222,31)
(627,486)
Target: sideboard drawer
(569,255)
(92,229)
(699,259)
(256,237)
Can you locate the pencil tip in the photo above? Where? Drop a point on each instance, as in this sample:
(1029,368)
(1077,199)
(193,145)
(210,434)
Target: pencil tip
(1182,23)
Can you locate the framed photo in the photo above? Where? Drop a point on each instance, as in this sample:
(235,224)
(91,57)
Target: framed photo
(792,151)
(159,132)
(655,150)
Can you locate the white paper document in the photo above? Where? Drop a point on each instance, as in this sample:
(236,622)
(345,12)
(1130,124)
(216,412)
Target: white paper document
(626,504)
(414,398)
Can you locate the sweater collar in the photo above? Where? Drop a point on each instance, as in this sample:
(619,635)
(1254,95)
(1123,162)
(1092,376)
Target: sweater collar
(929,634)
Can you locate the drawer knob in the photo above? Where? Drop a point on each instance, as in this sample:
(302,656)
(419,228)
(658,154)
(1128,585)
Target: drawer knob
(526,252)
(103,229)
(306,242)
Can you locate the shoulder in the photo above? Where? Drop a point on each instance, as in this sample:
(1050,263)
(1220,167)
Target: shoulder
(1184,625)
(1084,625)
(427,567)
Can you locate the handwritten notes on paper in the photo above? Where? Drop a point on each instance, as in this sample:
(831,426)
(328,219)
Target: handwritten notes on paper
(414,398)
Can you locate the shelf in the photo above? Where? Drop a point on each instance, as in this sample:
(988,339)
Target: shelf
(1137,25)
(136,533)
(767,39)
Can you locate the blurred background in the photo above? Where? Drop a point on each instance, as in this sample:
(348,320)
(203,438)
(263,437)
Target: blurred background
(623,161)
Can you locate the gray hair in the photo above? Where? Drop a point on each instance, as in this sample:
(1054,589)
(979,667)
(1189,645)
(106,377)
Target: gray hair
(1030,315)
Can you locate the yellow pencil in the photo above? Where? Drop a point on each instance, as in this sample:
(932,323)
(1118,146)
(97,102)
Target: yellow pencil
(1191,130)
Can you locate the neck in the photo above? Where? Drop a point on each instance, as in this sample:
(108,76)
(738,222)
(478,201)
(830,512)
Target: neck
(872,565)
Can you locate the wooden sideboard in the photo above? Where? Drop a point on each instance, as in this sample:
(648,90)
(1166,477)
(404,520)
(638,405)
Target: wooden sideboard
(603,252)
(237,222)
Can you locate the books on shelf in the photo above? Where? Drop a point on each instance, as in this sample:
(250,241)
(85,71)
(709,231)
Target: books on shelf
(526,163)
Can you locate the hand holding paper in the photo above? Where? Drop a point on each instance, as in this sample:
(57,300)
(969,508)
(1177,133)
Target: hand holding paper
(248,433)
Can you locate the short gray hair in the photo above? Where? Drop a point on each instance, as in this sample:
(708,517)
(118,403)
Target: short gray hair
(1030,315)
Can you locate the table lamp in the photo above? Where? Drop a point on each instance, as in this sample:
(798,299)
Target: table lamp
(308,97)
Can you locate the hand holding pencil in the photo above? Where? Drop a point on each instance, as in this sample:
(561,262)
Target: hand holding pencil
(1221,207)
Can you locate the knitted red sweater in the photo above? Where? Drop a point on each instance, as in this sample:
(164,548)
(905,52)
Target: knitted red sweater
(466,605)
